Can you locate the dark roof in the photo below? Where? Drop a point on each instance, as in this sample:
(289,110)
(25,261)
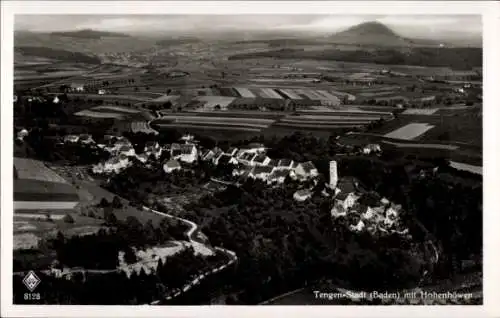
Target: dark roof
(187,149)
(346,185)
(151,144)
(231,150)
(279,174)
(342,196)
(260,158)
(126,148)
(248,156)
(303,192)
(175,146)
(308,166)
(176,152)
(122,156)
(262,169)
(255,145)
(273,163)
(285,162)
(224,159)
(208,153)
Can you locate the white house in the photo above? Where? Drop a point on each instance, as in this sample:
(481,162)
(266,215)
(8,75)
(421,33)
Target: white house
(252,148)
(101,92)
(127,150)
(77,87)
(22,134)
(186,153)
(187,138)
(285,164)
(71,138)
(368,214)
(232,151)
(225,159)
(115,165)
(358,227)
(260,160)
(278,176)
(306,170)
(247,158)
(86,139)
(371,148)
(338,210)
(347,199)
(171,165)
(151,146)
(143,157)
(55,100)
(302,195)
(208,155)
(261,172)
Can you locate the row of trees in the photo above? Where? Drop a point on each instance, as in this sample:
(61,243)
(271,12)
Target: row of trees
(116,288)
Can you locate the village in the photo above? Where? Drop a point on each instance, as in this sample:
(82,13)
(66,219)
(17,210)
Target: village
(251,161)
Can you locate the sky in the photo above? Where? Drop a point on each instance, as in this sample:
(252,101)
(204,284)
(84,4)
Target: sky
(405,25)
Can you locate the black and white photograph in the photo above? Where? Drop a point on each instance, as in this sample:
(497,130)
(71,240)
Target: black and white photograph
(245,159)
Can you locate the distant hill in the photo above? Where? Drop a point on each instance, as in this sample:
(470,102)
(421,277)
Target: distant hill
(57,54)
(177,41)
(88,45)
(376,34)
(89,34)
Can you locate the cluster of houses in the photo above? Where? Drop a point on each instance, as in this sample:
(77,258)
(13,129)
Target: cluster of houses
(384,218)
(122,152)
(252,162)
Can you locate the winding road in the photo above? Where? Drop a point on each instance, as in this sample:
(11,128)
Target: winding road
(193,227)
(193,240)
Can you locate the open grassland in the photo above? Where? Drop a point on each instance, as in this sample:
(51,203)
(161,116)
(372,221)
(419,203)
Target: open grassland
(211,101)
(420,111)
(119,109)
(97,114)
(410,131)
(29,169)
(467,167)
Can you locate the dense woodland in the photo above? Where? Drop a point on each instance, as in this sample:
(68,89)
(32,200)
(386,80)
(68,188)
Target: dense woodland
(456,58)
(58,54)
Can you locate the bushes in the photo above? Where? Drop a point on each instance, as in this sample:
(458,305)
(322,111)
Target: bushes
(68,219)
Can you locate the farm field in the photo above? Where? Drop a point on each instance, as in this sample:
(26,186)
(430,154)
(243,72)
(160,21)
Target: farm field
(409,131)
(116,109)
(460,129)
(44,191)
(97,114)
(467,167)
(29,169)
(420,111)
(96,193)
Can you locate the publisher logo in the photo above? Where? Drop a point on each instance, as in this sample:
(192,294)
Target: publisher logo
(31,281)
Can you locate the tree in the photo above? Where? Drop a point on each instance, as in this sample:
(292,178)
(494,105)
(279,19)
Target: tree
(117,203)
(68,219)
(110,218)
(104,203)
(130,256)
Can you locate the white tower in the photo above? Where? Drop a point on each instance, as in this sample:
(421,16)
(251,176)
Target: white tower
(333,174)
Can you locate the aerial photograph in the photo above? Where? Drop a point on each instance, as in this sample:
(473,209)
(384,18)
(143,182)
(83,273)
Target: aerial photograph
(248,159)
